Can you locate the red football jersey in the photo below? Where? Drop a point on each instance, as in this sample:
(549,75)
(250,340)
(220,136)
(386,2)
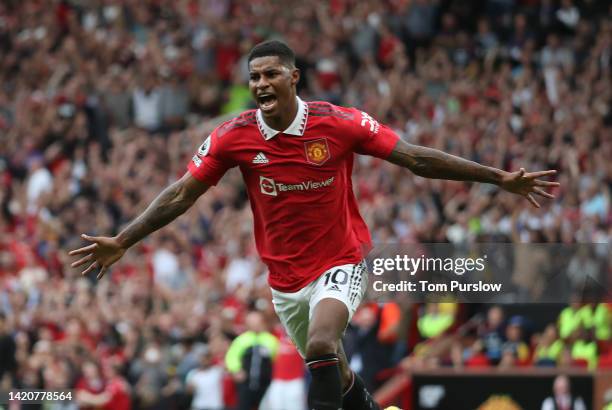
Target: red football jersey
(299,185)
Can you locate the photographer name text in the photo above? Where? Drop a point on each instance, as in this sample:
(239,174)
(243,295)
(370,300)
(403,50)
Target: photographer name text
(427,286)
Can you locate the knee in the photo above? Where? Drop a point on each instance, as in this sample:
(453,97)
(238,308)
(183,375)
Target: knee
(319,344)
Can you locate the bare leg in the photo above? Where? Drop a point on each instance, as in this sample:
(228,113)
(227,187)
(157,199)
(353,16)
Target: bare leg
(327,324)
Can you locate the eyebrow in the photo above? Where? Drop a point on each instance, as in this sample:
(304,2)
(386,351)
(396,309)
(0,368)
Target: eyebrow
(265,70)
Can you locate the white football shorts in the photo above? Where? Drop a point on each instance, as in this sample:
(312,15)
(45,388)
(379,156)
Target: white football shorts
(346,283)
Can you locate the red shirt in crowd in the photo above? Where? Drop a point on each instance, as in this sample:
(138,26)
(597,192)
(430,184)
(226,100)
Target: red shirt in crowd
(288,364)
(299,184)
(119,393)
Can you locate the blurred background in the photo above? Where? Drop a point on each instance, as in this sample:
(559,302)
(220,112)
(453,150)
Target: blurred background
(103,102)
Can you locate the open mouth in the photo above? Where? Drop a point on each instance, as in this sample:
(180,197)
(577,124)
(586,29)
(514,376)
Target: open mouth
(266,102)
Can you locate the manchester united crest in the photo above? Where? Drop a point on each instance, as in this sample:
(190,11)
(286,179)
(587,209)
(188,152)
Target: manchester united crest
(317,151)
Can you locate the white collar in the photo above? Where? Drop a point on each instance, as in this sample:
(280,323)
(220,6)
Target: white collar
(297,127)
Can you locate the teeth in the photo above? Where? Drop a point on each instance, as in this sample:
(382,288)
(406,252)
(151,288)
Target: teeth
(266,100)
(267,104)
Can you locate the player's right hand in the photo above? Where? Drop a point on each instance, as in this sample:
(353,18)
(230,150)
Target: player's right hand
(102,253)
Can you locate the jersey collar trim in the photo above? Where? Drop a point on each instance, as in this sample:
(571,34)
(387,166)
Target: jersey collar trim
(297,127)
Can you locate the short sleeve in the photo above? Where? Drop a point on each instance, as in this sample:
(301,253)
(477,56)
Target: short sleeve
(373,138)
(210,162)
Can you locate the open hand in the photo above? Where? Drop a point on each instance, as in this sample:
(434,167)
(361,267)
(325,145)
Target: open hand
(102,253)
(527,183)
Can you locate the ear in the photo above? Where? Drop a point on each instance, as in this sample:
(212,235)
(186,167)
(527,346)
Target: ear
(295,76)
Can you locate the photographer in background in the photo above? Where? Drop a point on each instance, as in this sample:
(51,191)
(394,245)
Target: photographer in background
(562,398)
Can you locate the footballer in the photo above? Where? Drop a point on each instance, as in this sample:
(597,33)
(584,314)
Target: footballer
(296,159)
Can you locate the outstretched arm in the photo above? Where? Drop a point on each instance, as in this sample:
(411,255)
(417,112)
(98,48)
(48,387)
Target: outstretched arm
(169,204)
(433,163)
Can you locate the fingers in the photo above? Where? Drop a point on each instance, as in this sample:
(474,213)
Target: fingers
(81,261)
(539,174)
(101,273)
(532,200)
(521,172)
(88,248)
(539,182)
(91,238)
(90,268)
(84,249)
(543,193)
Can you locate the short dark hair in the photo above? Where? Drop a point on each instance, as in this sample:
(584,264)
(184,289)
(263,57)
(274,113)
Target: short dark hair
(273,48)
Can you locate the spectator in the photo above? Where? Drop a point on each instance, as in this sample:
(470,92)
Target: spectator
(206,384)
(116,98)
(420,20)
(584,348)
(556,55)
(436,319)
(166,268)
(115,396)
(567,16)
(573,318)
(492,335)
(117,392)
(174,101)
(39,183)
(191,356)
(288,388)
(549,348)
(473,356)
(602,322)
(147,101)
(583,269)
(562,397)
(368,354)
(514,344)
(250,358)
(91,383)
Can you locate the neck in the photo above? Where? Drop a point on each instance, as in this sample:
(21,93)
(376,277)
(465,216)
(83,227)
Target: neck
(285,118)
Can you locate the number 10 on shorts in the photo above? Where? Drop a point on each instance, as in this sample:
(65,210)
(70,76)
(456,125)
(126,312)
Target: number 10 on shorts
(337,277)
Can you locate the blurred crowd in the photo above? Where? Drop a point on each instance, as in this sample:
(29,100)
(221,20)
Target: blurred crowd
(103,102)
(579,337)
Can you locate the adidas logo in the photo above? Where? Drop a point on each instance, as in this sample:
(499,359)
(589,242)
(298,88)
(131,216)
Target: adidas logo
(334,287)
(260,159)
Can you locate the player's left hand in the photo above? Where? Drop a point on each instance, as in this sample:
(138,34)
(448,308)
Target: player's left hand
(527,184)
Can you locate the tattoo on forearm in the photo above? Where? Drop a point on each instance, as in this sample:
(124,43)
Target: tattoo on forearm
(433,163)
(168,205)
